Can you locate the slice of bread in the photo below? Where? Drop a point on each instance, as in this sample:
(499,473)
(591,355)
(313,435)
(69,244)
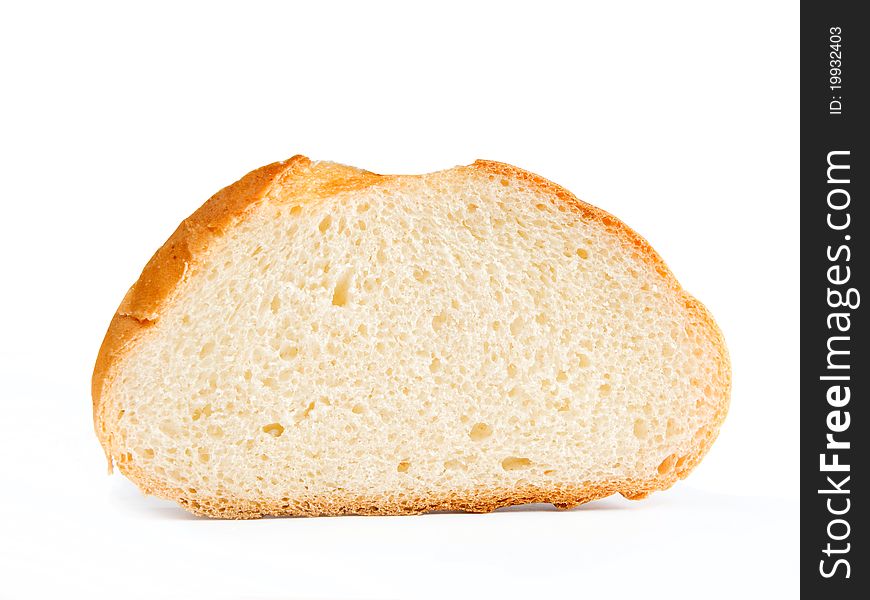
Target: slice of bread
(317,339)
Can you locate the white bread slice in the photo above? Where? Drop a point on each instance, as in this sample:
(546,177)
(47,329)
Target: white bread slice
(317,339)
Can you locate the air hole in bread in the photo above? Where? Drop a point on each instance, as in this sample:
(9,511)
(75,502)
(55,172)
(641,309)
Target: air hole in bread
(274,429)
(480,432)
(439,320)
(513,463)
(340,293)
(303,414)
(169,429)
(667,464)
(517,326)
(287,352)
(641,429)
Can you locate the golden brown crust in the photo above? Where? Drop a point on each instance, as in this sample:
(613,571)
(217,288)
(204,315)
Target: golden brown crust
(562,496)
(299,178)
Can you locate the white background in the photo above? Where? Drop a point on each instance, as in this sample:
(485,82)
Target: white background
(118,121)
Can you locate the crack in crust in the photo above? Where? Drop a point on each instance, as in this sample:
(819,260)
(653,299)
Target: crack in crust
(304,180)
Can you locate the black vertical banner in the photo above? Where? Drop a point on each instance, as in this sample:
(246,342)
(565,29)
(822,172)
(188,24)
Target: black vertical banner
(835,369)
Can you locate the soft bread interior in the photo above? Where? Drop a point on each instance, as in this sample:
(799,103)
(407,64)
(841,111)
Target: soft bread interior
(432,335)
